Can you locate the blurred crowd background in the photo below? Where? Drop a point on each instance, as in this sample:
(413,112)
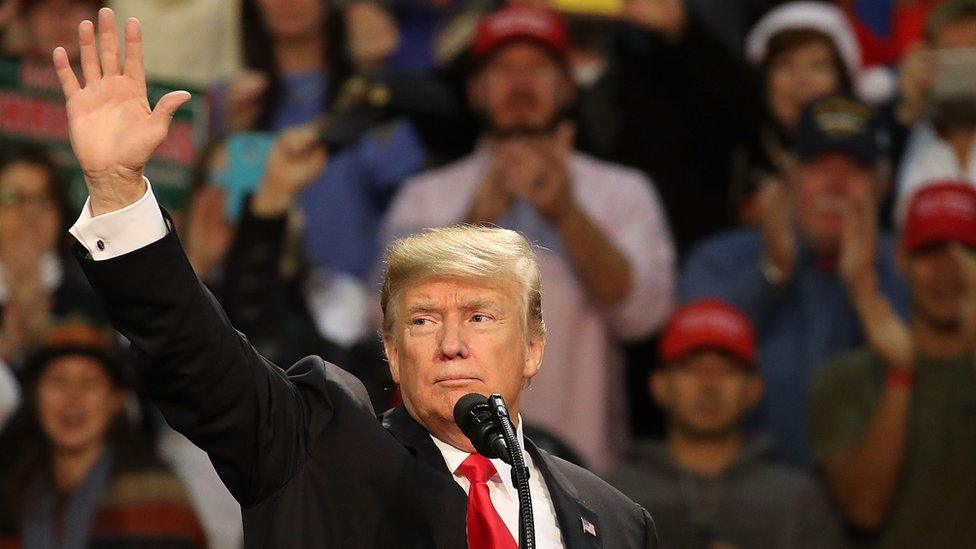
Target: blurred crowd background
(756,223)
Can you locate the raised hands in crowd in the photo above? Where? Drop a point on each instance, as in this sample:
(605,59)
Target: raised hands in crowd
(296,158)
(774,206)
(532,168)
(884,330)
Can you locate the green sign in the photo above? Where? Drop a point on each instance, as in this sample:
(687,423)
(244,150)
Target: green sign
(32,110)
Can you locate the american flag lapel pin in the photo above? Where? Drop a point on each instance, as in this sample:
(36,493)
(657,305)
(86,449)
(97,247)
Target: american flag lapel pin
(588,527)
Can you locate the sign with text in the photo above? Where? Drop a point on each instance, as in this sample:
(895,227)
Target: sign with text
(32,110)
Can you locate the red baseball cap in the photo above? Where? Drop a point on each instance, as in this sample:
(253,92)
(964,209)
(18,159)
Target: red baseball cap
(709,324)
(512,23)
(941,212)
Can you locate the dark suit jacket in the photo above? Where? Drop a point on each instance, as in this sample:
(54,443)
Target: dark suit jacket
(301,450)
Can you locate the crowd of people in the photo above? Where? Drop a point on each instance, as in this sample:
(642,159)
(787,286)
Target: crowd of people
(755,222)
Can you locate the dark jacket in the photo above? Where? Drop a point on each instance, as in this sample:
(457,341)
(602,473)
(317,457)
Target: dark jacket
(302,450)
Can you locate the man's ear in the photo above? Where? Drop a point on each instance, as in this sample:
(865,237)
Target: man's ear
(657,384)
(389,347)
(535,350)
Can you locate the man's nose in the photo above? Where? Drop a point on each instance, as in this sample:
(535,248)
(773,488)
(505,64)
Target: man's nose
(452,341)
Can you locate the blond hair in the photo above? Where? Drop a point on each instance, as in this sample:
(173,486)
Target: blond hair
(469,252)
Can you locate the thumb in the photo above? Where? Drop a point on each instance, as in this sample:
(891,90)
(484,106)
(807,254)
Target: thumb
(167,106)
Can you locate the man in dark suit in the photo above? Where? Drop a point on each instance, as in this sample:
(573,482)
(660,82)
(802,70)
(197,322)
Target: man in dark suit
(301,449)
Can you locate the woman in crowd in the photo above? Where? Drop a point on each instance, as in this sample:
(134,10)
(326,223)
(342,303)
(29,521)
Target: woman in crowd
(802,50)
(76,472)
(300,57)
(38,283)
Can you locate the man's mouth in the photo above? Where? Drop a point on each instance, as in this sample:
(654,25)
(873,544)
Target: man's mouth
(457,380)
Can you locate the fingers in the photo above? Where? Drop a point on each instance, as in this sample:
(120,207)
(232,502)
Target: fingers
(168,106)
(90,67)
(133,51)
(69,82)
(299,140)
(247,87)
(108,38)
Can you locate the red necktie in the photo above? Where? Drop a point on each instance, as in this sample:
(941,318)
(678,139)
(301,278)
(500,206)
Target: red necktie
(486,530)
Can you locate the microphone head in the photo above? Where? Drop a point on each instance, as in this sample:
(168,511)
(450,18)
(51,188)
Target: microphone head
(468,407)
(473,416)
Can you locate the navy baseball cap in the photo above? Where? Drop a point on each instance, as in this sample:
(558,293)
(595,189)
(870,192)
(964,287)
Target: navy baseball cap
(838,123)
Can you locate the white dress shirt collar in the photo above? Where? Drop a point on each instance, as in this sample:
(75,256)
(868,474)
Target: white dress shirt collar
(454,457)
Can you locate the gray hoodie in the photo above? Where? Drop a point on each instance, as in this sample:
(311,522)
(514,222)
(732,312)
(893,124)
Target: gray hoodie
(753,504)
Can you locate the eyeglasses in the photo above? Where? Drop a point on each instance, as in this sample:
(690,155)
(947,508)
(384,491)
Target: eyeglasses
(13,198)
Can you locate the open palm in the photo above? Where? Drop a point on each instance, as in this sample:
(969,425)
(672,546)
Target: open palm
(112,129)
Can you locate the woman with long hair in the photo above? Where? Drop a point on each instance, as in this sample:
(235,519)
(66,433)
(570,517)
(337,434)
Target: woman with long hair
(300,58)
(38,282)
(802,51)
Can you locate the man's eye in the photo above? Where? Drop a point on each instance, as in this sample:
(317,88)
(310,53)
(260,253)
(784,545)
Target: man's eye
(419,321)
(479,318)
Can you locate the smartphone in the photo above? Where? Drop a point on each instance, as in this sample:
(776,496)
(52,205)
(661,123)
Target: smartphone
(247,158)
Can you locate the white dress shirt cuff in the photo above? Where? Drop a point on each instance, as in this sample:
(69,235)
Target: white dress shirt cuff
(122,231)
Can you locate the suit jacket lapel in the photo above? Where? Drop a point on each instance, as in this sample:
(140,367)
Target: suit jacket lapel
(443,501)
(572,514)
(576,520)
(415,438)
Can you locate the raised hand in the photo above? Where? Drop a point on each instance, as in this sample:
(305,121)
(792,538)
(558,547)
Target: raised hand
(668,17)
(208,232)
(293,164)
(884,330)
(915,79)
(245,99)
(776,226)
(112,129)
(859,245)
(373,34)
(550,194)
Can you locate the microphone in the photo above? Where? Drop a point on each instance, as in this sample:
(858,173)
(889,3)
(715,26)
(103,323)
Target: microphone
(474,416)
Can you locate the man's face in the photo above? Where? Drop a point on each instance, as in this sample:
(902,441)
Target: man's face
(826,186)
(54,23)
(455,336)
(706,394)
(521,88)
(29,216)
(76,403)
(937,286)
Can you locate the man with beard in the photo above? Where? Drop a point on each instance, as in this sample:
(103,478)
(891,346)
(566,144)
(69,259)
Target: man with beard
(708,484)
(788,275)
(607,255)
(893,425)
